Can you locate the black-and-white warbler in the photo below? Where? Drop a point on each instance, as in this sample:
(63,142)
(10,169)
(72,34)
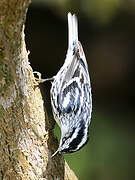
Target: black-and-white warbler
(71,94)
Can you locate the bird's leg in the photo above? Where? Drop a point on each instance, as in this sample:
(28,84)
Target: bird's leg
(39,79)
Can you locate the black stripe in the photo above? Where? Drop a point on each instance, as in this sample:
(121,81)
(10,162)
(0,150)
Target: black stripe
(74,144)
(82,63)
(77,72)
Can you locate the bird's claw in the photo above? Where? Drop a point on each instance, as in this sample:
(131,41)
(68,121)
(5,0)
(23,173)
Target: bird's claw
(38,79)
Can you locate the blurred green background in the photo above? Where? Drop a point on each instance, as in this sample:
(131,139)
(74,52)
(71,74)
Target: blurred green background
(107,33)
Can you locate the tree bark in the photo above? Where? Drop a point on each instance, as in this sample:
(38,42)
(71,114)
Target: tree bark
(26,138)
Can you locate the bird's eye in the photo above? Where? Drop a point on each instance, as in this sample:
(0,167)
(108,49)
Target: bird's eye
(64,139)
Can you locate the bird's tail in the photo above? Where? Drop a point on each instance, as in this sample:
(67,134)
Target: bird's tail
(72,30)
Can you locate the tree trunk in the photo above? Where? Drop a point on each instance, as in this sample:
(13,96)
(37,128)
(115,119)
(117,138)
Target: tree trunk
(26,138)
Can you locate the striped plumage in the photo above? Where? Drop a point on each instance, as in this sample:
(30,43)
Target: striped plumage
(71,94)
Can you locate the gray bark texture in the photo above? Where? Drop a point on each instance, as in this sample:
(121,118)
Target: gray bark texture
(26,138)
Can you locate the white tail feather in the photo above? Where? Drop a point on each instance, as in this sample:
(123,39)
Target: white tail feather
(72,30)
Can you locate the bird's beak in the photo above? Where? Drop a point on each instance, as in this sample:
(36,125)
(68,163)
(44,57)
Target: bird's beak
(57,152)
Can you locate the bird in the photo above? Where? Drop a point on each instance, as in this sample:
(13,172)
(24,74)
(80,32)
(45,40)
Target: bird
(71,97)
